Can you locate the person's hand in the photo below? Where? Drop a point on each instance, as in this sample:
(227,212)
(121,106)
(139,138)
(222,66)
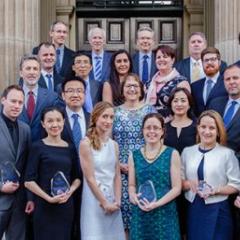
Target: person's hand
(65,197)
(29,207)
(146,206)
(193,184)
(124,168)
(9,187)
(237,202)
(109,208)
(61,198)
(133,197)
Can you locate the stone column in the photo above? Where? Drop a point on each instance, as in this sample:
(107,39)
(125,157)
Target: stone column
(227,27)
(19,32)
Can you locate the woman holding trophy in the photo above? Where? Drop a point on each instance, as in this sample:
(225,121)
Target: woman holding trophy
(154,183)
(210,174)
(52,176)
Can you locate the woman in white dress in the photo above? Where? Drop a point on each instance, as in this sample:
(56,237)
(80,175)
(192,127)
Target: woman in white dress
(100,210)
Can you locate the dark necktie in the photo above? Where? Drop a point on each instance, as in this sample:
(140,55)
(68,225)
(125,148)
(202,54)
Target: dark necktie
(229,114)
(58,61)
(98,69)
(209,88)
(30,104)
(50,84)
(76,130)
(145,70)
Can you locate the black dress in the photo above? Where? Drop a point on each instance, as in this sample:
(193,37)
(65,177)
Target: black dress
(51,221)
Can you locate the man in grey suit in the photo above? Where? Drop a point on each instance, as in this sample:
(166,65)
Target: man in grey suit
(15,141)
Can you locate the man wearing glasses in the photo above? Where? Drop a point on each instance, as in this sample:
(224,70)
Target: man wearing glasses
(211,86)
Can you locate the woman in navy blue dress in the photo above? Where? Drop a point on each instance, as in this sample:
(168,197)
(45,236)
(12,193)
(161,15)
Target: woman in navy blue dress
(209,215)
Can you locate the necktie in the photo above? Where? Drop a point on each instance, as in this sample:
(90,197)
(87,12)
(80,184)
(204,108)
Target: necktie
(98,69)
(76,130)
(196,72)
(30,104)
(88,99)
(58,61)
(229,114)
(145,70)
(50,84)
(209,88)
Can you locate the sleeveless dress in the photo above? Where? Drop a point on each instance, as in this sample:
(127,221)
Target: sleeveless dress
(127,132)
(160,223)
(95,224)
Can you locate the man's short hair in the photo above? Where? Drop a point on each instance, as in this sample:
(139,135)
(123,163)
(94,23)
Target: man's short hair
(145,28)
(72,78)
(55,23)
(201,34)
(45,44)
(211,50)
(10,88)
(28,57)
(92,30)
(79,54)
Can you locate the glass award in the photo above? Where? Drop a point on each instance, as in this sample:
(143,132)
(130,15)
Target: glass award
(147,191)
(107,192)
(9,173)
(204,189)
(59,184)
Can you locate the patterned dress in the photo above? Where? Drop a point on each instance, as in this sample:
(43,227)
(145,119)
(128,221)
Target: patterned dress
(160,223)
(127,132)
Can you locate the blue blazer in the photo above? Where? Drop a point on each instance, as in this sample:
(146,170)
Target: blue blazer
(57,79)
(197,93)
(183,67)
(45,98)
(105,67)
(135,59)
(233,129)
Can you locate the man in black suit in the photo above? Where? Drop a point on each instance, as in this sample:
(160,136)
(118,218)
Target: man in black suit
(211,86)
(58,34)
(145,44)
(82,66)
(192,67)
(15,142)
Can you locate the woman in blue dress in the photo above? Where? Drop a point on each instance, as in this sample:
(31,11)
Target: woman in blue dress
(159,166)
(127,132)
(210,174)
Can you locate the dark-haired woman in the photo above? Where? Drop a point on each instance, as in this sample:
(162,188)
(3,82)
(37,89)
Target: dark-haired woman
(121,65)
(53,215)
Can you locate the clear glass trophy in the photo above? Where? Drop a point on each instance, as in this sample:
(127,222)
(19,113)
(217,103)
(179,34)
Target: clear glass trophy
(204,189)
(9,173)
(107,192)
(59,184)
(147,191)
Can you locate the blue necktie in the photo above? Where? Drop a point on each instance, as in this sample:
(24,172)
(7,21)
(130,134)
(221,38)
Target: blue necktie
(58,61)
(229,114)
(50,84)
(88,99)
(209,88)
(145,70)
(76,130)
(98,69)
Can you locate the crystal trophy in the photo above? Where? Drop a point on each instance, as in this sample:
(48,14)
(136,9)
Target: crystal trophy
(204,189)
(9,173)
(107,192)
(59,184)
(147,191)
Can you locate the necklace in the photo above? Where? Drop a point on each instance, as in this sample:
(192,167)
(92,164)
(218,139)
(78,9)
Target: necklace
(152,159)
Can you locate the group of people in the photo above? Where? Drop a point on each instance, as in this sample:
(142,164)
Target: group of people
(114,124)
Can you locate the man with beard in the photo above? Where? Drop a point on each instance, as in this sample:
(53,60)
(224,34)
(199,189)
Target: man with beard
(211,86)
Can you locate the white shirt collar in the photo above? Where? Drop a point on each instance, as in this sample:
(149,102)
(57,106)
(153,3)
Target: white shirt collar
(70,112)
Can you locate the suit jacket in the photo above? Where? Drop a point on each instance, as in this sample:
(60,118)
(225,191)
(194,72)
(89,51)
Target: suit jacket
(197,92)
(57,79)
(45,98)
(135,59)
(68,56)
(18,158)
(183,67)
(233,129)
(105,67)
(96,89)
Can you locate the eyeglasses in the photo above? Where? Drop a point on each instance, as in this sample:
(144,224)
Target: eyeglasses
(154,128)
(213,59)
(131,85)
(77,90)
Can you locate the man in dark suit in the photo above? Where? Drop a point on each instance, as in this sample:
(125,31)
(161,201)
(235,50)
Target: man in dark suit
(73,94)
(58,34)
(36,98)
(211,86)
(82,66)
(100,58)
(192,67)
(229,108)
(15,142)
(144,55)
